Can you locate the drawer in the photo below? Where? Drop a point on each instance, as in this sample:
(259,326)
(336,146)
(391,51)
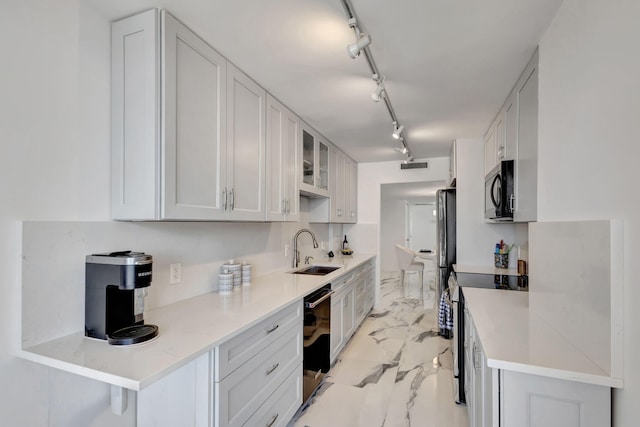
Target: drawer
(231,354)
(341,281)
(282,405)
(247,388)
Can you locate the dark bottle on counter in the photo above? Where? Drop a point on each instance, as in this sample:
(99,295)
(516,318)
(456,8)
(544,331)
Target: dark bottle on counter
(345,244)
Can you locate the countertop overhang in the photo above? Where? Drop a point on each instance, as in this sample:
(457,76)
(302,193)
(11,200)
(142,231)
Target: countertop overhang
(515,338)
(188,329)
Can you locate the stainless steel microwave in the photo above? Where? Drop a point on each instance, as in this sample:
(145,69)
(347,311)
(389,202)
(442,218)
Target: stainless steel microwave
(499,197)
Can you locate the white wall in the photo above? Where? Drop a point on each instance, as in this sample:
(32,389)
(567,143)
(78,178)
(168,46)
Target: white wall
(476,239)
(55,124)
(589,103)
(393,218)
(365,235)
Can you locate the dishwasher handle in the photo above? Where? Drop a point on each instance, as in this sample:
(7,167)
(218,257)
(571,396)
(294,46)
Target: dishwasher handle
(314,304)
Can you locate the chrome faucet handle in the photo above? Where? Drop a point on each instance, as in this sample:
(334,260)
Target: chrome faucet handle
(307,258)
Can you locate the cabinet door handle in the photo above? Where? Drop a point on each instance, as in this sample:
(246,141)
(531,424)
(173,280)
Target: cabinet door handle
(283,207)
(273,328)
(273,420)
(270,370)
(233,199)
(288,207)
(224,199)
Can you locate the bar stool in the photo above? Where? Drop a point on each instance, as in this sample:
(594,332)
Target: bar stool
(407,262)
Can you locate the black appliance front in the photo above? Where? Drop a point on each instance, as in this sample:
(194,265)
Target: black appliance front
(317,339)
(499,195)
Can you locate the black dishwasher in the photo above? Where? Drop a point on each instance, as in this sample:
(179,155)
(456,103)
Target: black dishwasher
(317,338)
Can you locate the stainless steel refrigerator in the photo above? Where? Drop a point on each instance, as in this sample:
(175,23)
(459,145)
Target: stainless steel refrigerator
(446,228)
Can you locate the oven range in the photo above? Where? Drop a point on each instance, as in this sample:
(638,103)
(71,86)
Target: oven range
(472,280)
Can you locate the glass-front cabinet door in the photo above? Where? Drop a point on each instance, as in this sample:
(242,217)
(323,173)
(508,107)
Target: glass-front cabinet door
(308,152)
(323,166)
(315,164)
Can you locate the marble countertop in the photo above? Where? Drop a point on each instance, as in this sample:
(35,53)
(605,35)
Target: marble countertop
(187,329)
(484,269)
(515,338)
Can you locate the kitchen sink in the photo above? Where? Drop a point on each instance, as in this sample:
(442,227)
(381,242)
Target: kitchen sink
(316,270)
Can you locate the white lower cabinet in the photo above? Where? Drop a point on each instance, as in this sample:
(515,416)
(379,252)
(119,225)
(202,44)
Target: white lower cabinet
(182,398)
(349,305)
(272,361)
(502,398)
(534,401)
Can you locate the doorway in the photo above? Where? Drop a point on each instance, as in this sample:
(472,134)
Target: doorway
(395,213)
(420,230)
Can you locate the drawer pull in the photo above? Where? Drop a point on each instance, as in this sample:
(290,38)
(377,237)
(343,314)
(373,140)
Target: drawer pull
(273,328)
(273,368)
(273,420)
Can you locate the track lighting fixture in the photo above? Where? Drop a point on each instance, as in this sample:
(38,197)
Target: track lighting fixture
(397,131)
(353,50)
(380,91)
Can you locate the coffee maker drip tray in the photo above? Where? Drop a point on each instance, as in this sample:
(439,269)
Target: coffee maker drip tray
(135,334)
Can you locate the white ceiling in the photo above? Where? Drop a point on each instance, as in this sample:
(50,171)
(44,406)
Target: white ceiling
(448,64)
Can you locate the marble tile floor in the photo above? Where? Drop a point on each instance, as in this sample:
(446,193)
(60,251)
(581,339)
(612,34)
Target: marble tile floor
(395,371)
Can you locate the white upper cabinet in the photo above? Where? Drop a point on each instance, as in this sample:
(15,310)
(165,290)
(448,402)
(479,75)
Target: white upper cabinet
(188,135)
(283,199)
(351,199)
(246,147)
(513,135)
(490,156)
(338,184)
(193,128)
(314,179)
(526,167)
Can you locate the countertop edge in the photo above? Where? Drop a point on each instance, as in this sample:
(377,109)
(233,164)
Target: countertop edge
(561,374)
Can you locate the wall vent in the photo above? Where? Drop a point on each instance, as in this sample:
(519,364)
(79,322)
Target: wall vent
(413,165)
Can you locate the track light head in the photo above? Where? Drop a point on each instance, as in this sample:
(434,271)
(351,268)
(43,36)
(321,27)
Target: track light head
(379,93)
(353,50)
(401,150)
(398,131)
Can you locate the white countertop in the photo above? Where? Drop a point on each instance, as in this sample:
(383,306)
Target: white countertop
(484,269)
(187,329)
(516,339)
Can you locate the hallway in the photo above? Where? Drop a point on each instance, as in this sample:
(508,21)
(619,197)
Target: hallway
(395,372)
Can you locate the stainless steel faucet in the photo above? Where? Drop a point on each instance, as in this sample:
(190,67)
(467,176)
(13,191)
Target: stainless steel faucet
(296,254)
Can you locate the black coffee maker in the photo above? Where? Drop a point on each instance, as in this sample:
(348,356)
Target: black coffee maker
(115,286)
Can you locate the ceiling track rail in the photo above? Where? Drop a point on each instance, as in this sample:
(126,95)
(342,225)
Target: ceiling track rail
(351,16)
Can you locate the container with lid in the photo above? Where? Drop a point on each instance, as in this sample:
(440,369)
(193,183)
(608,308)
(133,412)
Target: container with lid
(236,269)
(225,282)
(246,274)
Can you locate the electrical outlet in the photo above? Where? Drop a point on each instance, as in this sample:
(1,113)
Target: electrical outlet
(286,250)
(322,245)
(175,273)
